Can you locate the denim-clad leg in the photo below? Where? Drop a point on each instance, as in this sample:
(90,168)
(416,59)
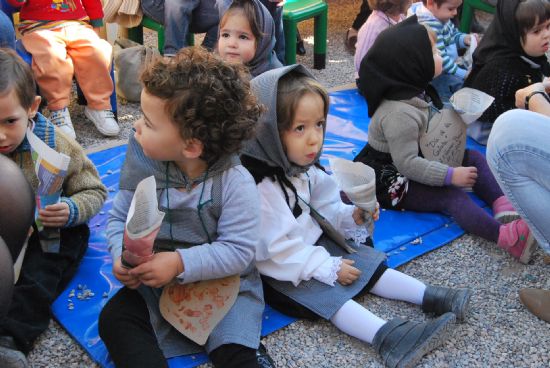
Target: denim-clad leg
(206,18)
(518,153)
(7,33)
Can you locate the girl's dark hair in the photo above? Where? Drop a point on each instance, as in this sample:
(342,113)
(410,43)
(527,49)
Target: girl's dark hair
(290,90)
(206,98)
(530,13)
(246,8)
(390,6)
(16,74)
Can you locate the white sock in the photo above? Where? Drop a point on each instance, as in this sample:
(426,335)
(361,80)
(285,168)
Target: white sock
(355,320)
(396,285)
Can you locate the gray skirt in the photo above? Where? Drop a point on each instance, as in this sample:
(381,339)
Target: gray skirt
(325,300)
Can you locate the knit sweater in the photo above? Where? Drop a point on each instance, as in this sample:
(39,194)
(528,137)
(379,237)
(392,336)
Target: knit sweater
(60,10)
(395,129)
(82,188)
(447,36)
(501,78)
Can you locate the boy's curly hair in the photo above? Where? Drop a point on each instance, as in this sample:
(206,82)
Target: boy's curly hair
(206,98)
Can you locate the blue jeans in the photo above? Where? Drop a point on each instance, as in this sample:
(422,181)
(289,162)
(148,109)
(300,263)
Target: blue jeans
(446,85)
(7,33)
(518,153)
(180,17)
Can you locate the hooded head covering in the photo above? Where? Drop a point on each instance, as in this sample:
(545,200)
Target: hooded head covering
(398,66)
(502,39)
(267,146)
(265,58)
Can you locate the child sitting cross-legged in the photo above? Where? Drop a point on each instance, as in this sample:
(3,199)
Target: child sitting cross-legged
(305,273)
(44,273)
(197,110)
(62,37)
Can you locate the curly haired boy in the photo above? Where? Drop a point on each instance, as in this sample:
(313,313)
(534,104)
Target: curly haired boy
(197,110)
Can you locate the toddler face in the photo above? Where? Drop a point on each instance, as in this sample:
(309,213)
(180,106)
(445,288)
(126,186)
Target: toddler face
(155,132)
(14,120)
(236,43)
(537,39)
(303,141)
(445,11)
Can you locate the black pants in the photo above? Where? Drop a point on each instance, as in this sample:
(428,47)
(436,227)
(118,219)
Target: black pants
(126,330)
(43,277)
(288,306)
(362,16)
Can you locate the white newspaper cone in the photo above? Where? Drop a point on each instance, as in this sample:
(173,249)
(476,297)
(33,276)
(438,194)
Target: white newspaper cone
(358,181)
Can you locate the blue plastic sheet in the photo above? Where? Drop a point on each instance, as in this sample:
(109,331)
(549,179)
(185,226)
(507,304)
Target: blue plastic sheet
(346,135)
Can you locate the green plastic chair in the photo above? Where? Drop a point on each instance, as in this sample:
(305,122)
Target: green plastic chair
(468,12)
(136,33)
(295,11)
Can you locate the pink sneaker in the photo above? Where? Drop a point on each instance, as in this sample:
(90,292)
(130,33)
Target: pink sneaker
(516,239)
(503,211)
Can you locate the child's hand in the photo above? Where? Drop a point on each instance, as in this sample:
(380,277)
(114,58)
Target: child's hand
(97,30)
(160,270)
(468,39)
(122,274)
(464,176)
(358,215)
(348,274)
(54,215)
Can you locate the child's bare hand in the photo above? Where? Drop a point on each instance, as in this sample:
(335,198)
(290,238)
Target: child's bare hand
(122,274)
(348,274)
(468,39)
(376,214)
(464,176)
(160,270)
(358,215)
(54,215)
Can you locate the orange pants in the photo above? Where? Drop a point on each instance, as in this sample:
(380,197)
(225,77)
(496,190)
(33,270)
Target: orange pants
(60,53)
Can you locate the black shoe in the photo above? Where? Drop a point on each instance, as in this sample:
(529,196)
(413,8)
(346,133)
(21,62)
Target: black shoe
(264,360)
(439,300)
(10,356)
(300,48)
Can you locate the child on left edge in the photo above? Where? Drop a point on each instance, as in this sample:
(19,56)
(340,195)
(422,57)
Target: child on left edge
(197,110)
(62,37)
(43,275)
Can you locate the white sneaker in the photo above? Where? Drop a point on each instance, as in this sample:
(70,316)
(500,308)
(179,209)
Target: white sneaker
(62,119)
(104,121)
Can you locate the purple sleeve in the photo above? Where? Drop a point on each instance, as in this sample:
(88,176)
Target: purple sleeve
(449,176)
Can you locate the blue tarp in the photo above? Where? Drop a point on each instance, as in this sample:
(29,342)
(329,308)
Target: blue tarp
(346,135)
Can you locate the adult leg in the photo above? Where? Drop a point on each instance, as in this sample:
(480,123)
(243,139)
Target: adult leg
(519,156)
(206,18)
(126,330)
(454,202)
(51,65)
(177,18)
(7,33)
(43,276)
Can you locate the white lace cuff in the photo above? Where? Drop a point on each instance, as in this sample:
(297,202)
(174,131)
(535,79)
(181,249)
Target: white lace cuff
(359,235)
(327,272)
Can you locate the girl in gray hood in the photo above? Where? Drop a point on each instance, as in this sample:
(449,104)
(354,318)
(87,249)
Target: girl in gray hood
(305,273)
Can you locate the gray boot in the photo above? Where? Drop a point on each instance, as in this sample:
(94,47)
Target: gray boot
(439,300)
(10,357)
(402,343)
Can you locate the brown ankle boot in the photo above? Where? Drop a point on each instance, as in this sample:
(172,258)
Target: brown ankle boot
(537,301)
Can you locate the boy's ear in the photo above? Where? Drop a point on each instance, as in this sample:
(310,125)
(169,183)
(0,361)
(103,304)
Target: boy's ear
(34,106)
(193,148)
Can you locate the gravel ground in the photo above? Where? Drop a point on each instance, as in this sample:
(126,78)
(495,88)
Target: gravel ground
(498,333)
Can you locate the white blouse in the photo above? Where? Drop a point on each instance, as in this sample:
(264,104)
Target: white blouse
(286,249)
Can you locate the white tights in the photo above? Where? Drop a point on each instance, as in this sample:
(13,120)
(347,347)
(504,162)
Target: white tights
(355,320)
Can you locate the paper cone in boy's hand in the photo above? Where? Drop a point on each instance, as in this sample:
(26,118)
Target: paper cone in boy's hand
(195,309)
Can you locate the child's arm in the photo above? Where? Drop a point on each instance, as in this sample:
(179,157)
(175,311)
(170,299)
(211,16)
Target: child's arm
(286,248)
(402,130)
(325,197)
(83,191)
(95,12)
(449,62)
